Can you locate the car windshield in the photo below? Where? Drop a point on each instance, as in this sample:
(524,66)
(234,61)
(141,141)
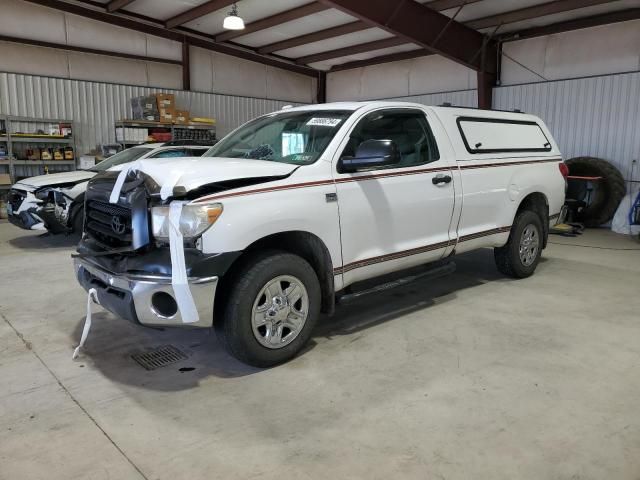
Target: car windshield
(287,137)
(125,156)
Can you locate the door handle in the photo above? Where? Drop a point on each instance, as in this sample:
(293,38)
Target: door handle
(441,178)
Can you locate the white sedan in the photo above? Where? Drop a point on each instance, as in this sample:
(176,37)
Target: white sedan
(55,202)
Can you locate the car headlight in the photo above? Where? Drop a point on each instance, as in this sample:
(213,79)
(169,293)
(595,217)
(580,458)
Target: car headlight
(194,220)
(43,193)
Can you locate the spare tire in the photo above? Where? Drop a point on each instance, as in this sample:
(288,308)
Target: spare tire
(608,193)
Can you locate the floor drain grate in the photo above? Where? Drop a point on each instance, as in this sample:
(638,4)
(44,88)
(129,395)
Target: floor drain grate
(159,357)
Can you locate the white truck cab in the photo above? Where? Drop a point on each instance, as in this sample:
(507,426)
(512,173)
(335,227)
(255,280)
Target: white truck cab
(294,209)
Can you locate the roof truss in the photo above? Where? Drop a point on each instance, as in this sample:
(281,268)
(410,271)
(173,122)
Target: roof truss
(416,23)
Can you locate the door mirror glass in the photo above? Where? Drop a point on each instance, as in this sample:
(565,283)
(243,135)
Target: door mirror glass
(370,154)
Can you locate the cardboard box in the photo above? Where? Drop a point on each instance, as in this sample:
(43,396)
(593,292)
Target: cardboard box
(182,117)
(145,108)
(5,179)
(167,115)
(165,100)
(87,161)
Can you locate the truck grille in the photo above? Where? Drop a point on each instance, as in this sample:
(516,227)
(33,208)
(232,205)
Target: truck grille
(109,224)
(16,197)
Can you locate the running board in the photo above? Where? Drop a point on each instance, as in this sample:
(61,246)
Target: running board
(436,272)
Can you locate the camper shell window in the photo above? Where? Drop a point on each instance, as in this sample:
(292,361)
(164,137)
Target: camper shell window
(494,135)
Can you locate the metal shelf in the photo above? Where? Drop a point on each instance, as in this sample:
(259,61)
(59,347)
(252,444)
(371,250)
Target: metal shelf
(148,124)
(67,141)
(44,162)
(38,120)
(166,126)
(14,139)
(195,127)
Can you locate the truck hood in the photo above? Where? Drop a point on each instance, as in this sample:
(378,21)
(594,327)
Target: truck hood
(53,179)
(194,172)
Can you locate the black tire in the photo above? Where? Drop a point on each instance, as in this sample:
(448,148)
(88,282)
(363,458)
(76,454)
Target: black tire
(508,258)
(78,222)
(609,191)
(234,325)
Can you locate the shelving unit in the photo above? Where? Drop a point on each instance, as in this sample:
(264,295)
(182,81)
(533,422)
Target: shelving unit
(5,159)
(177,131)
(16,134)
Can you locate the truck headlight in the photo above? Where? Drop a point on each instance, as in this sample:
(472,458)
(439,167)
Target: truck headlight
(194,220)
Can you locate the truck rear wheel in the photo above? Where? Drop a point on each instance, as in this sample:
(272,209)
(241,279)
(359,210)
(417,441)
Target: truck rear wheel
(520,256)
(270,310)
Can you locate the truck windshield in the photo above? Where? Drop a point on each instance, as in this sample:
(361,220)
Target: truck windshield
(125,156)
(288,137)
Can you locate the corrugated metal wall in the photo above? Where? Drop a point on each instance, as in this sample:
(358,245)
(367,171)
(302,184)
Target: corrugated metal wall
(597,116)
(94,107)
(462,98)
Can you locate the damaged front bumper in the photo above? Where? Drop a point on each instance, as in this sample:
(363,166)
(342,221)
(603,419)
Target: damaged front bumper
(146,298)
(26,220)
(22,210)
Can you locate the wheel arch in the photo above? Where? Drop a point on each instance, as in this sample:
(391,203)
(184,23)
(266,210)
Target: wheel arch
(539,203)
(304,244)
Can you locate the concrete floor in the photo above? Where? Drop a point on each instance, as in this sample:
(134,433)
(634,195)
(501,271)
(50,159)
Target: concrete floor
(472,376)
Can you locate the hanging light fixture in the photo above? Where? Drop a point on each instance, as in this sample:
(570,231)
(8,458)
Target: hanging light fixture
(233,21)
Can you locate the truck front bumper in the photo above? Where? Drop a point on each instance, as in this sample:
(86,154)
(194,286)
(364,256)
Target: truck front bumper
(146,299)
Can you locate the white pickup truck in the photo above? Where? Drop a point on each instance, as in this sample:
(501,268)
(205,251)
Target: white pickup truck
(297,208)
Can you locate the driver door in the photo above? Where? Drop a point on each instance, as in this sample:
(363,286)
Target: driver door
(394,217)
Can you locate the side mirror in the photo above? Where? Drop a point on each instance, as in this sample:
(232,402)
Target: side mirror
(372,153)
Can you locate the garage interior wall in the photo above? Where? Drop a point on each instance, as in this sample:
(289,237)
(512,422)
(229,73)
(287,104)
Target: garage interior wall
(585,84)
(94,90)
(431,80)
(94,106)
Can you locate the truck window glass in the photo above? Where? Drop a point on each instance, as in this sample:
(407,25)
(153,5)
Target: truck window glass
(288,137)
(409,129)
(488,135)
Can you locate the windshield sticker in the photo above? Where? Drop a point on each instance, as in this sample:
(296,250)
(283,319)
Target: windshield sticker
(324,122)
(302,158)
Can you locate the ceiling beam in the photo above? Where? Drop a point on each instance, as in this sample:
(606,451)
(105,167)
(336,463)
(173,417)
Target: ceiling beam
(352,50)
(197,12)
(536,11)
(440,5)
(393,57)
(575,24)
(569,25)
(351,27)
(416,23)
(273,20)
(93,51)
(114,5)
(176,35)
(315,36)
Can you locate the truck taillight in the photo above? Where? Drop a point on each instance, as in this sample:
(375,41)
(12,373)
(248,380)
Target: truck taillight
(564,170)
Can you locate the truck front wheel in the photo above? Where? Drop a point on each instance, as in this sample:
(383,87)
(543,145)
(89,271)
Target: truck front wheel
(270,310)
(520,256)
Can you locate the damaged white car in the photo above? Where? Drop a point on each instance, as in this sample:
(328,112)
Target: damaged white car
(55,202)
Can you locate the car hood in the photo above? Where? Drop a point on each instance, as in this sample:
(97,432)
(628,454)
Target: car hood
(53,179)
(194,172)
